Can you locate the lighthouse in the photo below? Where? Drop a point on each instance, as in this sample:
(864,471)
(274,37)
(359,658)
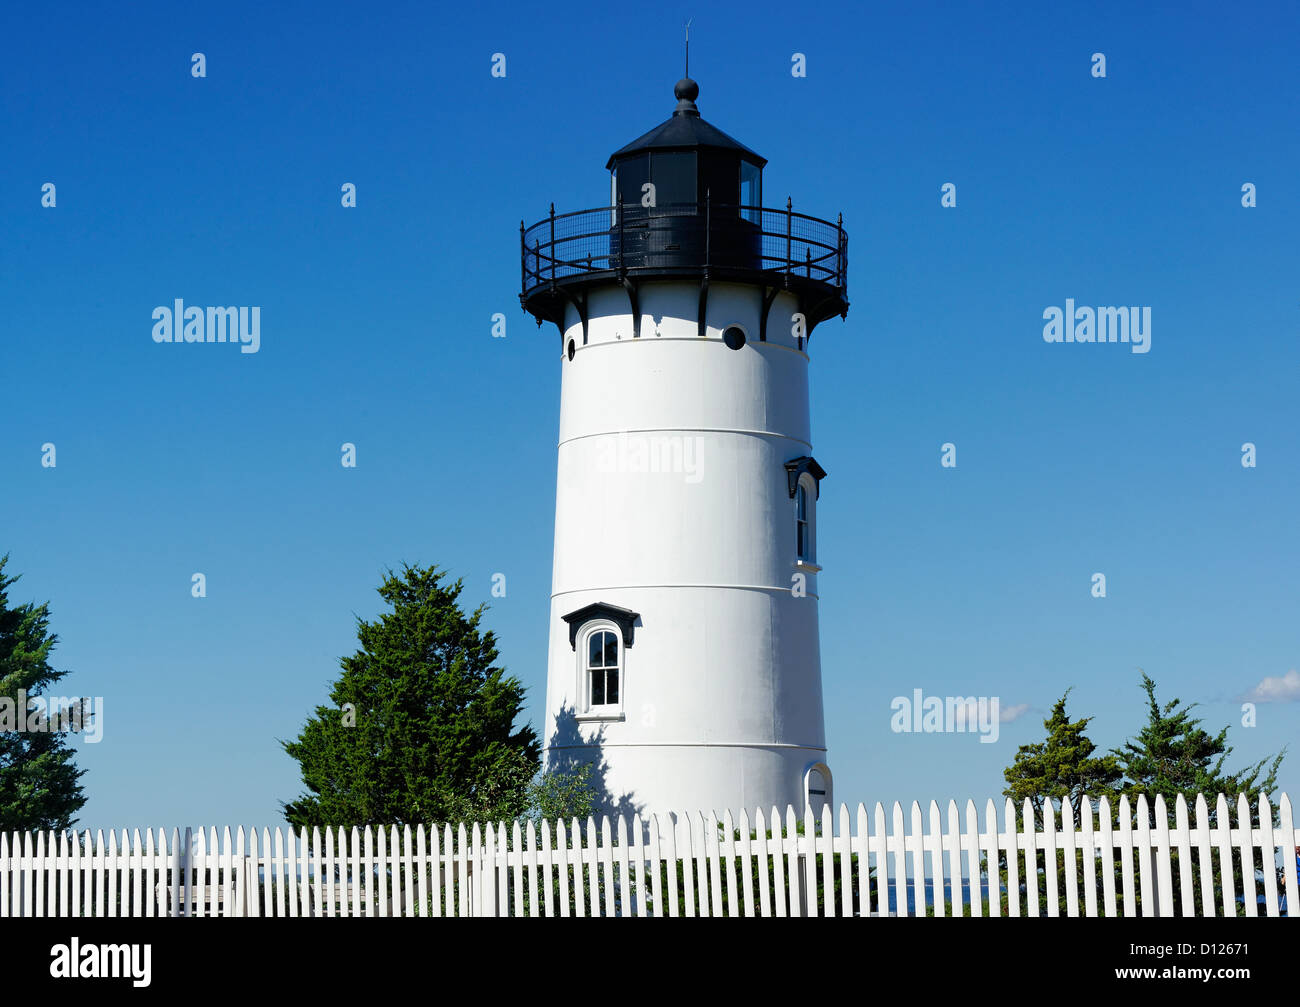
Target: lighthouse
(684,662)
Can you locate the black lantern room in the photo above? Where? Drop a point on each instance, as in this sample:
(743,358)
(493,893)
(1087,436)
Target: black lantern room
(686,200)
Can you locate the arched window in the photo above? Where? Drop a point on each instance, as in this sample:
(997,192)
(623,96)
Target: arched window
(602,666)
(600,634)
(805,476)
(805,525)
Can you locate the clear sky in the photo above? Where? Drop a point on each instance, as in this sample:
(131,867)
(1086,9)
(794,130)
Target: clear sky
(1072,459)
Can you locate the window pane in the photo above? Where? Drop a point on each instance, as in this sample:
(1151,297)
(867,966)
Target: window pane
(751,190)
(631,174)
(801,539)
(611,650)
(594,650)
(611,685)
(674,177)
(597,688)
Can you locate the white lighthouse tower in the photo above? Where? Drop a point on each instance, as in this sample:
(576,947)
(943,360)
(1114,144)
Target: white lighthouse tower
(684,659)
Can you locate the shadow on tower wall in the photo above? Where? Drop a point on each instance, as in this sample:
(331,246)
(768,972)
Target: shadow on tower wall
(567,749)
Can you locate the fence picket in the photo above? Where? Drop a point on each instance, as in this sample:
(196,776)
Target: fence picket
(729,844)
(710,836)
(1223,833)
(623,877)
(607,866)
(797,882)
(656,884)
(381,867)
(1088,844)
(1066,841)
(809,847)
(1126,856)
(699,843)
(1246,845)
(1183,840)
(430,871)
(772,840)
(934,839)
(1205,856)
(846,864)
(548,857)
(594,857)
(530,838)
(897,841)
(861,845)
(1268,863)
(1048,845)
(448,872)
(1142,851)
(827,843)
(685,844)
(1289,839)
(1164,872)
(638,860)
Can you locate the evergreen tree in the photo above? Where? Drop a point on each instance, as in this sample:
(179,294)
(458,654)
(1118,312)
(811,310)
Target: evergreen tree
(1058,770)
(39,781)
(1061,767)
(1173,755)
(421,726)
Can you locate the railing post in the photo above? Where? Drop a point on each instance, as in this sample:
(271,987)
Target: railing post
(807,255)
(523,253)
(788,206)
(622,244)
(552,247)
(839,250)
(708,228)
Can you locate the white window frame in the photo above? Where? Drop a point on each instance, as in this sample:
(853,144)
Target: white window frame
(606,711)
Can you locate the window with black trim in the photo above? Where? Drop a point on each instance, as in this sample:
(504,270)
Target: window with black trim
(804,495)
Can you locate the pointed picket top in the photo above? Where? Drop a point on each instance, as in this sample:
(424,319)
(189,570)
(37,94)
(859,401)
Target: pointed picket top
(1290,840)
(776,849)
(1160,810)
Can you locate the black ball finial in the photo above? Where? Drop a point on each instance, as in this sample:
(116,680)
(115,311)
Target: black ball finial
(686,91)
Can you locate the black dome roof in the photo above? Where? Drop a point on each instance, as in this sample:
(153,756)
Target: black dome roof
(685,131)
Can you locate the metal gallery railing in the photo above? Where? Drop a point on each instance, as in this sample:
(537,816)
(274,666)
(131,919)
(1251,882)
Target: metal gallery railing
(631,238)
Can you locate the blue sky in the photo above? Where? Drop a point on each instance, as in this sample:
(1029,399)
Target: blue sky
(1072,459)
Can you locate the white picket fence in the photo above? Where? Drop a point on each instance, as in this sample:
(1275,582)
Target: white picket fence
(688,865)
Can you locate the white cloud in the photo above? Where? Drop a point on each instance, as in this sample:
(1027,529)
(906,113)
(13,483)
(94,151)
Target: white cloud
(1009,713)
(1277,690)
